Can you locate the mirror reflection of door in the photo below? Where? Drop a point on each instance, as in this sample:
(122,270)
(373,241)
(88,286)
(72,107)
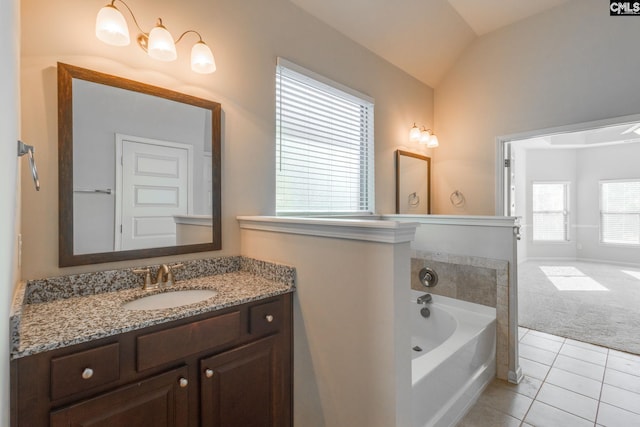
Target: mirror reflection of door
(153,183)
(413,183)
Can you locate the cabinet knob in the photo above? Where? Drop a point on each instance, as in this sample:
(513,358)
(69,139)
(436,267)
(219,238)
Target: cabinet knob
(269,318)
(87,373)
(208,373)
(183,382)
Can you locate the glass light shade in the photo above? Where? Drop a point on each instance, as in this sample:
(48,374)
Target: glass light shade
(424,136)
(161,45)
(202,59)
(433,142)
(414,134)
(111,26)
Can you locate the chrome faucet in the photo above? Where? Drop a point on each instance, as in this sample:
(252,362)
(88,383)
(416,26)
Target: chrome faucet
(424,299)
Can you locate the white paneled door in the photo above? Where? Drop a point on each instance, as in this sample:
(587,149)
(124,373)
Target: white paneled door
(154,184)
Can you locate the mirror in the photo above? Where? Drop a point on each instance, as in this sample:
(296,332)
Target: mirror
(139,170)
(413,183)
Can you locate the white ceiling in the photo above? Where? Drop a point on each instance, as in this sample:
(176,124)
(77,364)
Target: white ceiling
(607,135)
(422,37)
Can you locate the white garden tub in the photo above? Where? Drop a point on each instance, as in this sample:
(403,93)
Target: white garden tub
(453,358)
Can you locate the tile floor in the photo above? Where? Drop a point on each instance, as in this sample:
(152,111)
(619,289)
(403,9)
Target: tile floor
(566,383)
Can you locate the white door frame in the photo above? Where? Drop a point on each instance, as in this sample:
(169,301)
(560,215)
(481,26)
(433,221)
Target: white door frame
(118,187)
(515,372)
(502,141)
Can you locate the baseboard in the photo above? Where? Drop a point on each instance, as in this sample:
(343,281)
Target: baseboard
(591,260)
(605,261)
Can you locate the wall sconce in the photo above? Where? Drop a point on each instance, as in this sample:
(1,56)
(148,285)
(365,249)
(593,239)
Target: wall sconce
(423,136)
(111,28)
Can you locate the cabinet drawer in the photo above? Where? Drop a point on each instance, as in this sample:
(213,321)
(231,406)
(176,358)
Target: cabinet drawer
(172,344)
(265,318)
(84,370)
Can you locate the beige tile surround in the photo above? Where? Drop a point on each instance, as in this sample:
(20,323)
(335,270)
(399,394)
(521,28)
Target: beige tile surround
(474,279)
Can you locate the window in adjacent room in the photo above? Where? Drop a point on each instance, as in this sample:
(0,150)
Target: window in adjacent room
(550,211)
(620,212)
(324,145)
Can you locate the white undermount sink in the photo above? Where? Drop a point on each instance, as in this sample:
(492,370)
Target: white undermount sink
(170,299)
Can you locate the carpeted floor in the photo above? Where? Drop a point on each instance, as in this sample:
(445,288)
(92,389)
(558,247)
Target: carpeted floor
(594,303)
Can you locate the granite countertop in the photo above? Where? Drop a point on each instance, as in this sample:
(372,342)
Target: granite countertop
(46,323)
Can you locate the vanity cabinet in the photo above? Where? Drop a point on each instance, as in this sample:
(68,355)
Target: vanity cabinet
(228,368)
(237,387)
(161,400)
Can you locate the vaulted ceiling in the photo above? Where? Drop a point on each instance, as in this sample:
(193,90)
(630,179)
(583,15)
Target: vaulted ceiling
(422,37)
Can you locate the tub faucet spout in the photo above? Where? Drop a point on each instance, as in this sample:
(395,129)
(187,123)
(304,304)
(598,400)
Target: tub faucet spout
(424,299)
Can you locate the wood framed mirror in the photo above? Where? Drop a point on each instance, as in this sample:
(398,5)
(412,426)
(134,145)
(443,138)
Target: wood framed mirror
(138,170)
(413,183)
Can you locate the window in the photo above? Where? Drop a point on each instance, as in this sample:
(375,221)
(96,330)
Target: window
(550,211)
(620,212)
(324,145)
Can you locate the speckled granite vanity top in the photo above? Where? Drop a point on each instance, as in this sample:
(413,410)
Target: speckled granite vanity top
(63,311)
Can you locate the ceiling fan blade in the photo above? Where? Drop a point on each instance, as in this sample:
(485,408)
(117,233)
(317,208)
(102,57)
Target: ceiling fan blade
(633,128)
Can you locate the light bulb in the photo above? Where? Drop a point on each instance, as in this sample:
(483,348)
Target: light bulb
(414,134)
(433,142)
(111,27)
(161,45)
(424,136)
(202,60)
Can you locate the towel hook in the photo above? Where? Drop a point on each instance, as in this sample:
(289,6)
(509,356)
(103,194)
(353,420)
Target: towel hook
(28,149)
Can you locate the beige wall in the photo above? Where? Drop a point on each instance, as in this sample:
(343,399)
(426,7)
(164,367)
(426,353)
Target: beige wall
(351,340)
(246,37)
(9,102)
(569,65)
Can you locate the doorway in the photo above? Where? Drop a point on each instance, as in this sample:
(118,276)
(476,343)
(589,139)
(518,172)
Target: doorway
(577,191)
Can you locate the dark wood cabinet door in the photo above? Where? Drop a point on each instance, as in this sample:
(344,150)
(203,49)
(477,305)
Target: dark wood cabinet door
(160,401)
(241,387)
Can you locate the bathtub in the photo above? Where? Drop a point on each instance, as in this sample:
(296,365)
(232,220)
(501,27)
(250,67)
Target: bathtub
(453,358)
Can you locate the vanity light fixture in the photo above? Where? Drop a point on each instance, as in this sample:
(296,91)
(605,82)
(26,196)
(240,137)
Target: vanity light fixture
(111,28)
(423,136)
(414,133)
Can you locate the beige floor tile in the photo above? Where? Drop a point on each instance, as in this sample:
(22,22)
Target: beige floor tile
(584,353)
(506,401)
(568,401)
(622,380)
(563,383)
(529,386)
(611,416)
(543,415)
(536,354)
(621,398)
(483,416)
(533,369)
(579,367)
(547,336)
(624,355)
(587,345)
(574,382)
(541,342)
(630,366)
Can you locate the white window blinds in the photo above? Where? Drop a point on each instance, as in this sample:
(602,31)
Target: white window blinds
(550,211)
(620,212)
(324,145)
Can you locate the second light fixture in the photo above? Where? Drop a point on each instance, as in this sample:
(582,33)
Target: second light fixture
(423,136)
